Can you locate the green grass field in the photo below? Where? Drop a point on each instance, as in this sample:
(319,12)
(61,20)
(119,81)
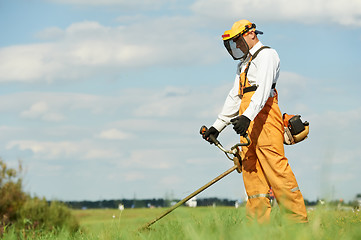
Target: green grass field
(207,223)
(214,223)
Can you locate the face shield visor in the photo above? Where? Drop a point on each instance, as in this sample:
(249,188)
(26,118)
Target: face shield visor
(237,47)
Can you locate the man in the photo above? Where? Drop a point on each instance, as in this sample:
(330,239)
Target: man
(252,106)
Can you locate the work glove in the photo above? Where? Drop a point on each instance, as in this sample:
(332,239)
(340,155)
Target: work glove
(211,131)
(241,124)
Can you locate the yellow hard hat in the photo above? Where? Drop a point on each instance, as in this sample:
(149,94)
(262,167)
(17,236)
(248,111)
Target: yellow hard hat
(240,27)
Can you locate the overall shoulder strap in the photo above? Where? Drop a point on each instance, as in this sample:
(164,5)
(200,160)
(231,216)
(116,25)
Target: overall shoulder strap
(244,89)
(256,53)
(253,57)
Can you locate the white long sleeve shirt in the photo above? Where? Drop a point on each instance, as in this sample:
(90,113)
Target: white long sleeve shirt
(263,72)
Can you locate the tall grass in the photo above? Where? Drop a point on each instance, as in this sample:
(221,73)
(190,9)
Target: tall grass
(221,223)
(207,223)
(228,223)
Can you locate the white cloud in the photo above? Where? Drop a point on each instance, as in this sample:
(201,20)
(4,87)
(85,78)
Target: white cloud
(134,4)
(198,161)
(50,33)
(101,153)
(28,63)
(75,150)
(293,91)
(46,150)
(114,134)
(88,48)
(40,110)
(54,106)
(36,109)
(344,125)
(157,158)
(304,11)
(174,102)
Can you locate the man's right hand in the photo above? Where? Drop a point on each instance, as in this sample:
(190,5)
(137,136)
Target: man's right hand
(210,131)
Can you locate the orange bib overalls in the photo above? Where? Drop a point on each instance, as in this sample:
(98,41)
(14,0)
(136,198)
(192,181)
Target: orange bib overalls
(264,163)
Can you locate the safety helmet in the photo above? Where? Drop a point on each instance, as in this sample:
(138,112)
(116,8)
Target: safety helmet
(230,37)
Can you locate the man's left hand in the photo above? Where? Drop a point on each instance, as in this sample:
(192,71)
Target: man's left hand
(241,124)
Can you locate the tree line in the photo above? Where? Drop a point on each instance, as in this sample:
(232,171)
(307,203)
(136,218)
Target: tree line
(142,203)
(154,202)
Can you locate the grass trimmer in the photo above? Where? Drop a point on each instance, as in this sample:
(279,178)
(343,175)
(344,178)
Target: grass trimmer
(235,151)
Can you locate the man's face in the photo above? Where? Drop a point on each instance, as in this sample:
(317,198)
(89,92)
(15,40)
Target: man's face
(244,44)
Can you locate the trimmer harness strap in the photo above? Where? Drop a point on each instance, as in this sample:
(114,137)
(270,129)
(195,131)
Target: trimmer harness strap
(254,87)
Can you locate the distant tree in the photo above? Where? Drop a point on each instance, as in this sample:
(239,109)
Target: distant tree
(12,196)
(19,210)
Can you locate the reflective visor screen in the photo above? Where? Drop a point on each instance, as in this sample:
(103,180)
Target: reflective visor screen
(235,52)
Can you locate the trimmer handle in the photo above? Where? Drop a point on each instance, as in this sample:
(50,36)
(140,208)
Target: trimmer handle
(233,149)
(211,137)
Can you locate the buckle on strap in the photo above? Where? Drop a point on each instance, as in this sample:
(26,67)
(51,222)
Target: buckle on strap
(249,89)
(253,88)
(266,195)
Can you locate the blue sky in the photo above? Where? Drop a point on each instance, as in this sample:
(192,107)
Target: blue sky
(104,99)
